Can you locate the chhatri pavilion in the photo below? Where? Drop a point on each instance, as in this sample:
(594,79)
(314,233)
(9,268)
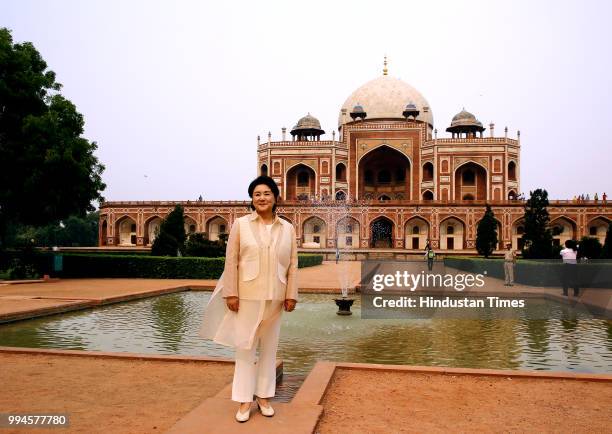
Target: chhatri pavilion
(386,183)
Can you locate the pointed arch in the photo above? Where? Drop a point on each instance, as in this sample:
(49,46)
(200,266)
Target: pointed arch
(598,227)
(382,229)
(125,228)
(300,182)
(564,228)
(215,226)
(347,232)
(471,178)
(314,232)
(151,228)
(517,229)
(341,172)
(383,169)
(416,233)
(452,233)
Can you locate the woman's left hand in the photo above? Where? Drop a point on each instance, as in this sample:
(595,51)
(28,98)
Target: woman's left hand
(289,304)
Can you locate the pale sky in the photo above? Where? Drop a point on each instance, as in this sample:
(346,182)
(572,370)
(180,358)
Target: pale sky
(176,92)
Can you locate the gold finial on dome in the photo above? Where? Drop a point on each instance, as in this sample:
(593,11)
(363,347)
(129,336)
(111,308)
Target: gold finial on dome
(385,70)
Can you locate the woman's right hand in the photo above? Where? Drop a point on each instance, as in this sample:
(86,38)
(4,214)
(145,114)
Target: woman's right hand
(232,303)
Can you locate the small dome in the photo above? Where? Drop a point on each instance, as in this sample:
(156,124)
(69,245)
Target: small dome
(410,106)
(465,121)
(358,109)
(307,122)
(308,126)
(465,118)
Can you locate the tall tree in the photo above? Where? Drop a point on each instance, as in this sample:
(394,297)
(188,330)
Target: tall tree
(171,238)
(71,232)
(589,248)
(486,233)
(606,252)
(47,170)
(537,238)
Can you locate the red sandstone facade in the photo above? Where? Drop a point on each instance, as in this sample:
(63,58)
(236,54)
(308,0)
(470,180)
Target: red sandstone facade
(388,182)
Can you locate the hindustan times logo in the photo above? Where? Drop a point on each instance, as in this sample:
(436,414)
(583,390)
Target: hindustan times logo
(412,281)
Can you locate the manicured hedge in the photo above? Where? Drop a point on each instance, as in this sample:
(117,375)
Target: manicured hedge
(309,260)
(86,265)
(153,267)
(538,273)
(157,267)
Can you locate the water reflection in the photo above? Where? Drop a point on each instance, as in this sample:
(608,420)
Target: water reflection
(168,324)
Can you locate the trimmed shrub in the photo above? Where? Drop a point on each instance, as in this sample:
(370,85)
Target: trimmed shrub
(152,267)
(309,260)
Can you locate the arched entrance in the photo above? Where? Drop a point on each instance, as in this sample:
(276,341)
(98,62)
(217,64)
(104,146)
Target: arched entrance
(563,229)
(518,229)
(215,227)
(314,231)
(384,171)
(152,229)
(300,182)
(416,233)
(470,182)
(381,233)
(451,234)
(126,229)
(347,233)
(340,172)
(428,195)
(598,228)
(190,225)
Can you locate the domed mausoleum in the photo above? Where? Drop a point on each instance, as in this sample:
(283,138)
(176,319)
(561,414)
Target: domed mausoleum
(383,180)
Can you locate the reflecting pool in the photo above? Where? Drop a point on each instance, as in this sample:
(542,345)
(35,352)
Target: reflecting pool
(568,340)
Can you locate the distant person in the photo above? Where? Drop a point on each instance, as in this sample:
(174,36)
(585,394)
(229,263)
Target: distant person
(337,254)
(604,197)
(568,274)
(509,262)
(595,198)
(430,255)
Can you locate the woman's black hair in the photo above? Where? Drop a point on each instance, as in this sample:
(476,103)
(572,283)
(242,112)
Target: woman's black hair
(264,180)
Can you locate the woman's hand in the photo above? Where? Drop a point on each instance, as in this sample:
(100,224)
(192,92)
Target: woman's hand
(232,303)
(289,304)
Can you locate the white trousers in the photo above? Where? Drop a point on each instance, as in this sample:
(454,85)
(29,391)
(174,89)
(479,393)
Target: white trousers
(258,377)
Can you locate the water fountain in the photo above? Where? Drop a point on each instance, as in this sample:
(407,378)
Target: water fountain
(344,304)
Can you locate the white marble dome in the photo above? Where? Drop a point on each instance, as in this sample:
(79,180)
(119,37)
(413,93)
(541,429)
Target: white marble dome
(386,97)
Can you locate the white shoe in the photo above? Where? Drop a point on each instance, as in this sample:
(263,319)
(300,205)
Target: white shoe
(243,417)
(266,411)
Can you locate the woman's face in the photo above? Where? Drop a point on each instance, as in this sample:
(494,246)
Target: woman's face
(263,199)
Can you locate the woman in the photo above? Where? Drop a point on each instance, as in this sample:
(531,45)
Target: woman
(258,281)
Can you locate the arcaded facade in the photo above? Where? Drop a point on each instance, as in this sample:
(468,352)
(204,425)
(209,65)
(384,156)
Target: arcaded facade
(384,181)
